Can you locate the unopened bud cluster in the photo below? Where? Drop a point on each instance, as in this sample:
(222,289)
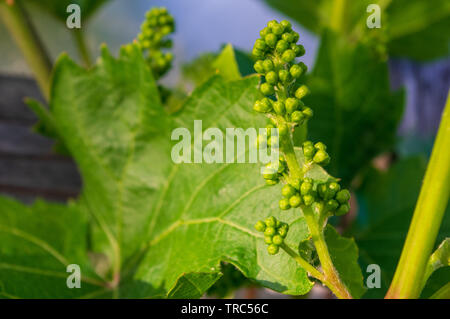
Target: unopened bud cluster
(274,233)
(152,39)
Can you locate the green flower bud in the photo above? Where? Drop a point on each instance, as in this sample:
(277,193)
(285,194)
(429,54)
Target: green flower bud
(268,65)
(343,196)
(320,146)
(301,92)
(260,44)
(296,71)
(264,32)
(284,204)
(307,112)
(332,205)
(283,230)
(299,50)
(333,188)
(272,249)
(284,76)
(296,36)
(297,117)
(268,240)
(308,200)
(286,25)
(270,231)
(321,157)
(267,89)
(269,173)
(342,210)
(282,129)
(271,24)
(295,201)
(279,107)
(259,67)
(271,40)
(306,188)
(291,105)
(288,56)
(277,29)
(282,46)
(277,240)
(272,77)
(303,66)
(295,183)
(288,191)
(288,37)
(271,221)
(308,151)
(260,226)
(257,53)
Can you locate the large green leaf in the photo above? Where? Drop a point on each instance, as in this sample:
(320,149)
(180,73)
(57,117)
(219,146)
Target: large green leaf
(167,227)
(37,244)
(356,112)
(386,202)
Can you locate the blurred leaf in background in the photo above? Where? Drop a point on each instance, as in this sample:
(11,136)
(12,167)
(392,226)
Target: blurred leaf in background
(415,29)
(386,203)
(357,112)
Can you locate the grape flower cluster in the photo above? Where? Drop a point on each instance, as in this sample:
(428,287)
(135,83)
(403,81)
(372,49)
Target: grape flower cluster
(276,52)
(274,233)
(157,26)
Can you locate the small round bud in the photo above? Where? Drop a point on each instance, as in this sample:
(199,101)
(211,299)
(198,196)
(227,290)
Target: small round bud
(272,249)
(271,24)
(306,188)
(271,182)
(271,221)
(264,32)
(308,151)
(260,226)
(286,24)
(291,105)
(277,240)
(283,230)
(301,92)
(284,76)
(268,65)
(260,44)
(268,240)
(342,210)
(297,117)
(296,71)
(282,46)
(299,50)
(270,231)
(259,67)
(279,107)
(272,77)
(282,129)
(321,157)
(288,191)
(307,112)
(295,201)
(288,37)
(277,29)
(257,53)
(334,188)
(267,89)
(296,36)
(320,146)
(308,200)
(284,204)
(295,183)
(271,40)
(343,196)
(332,205)
(303,66)
(288,56)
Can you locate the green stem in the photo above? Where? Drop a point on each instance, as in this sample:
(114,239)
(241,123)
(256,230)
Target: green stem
(26,38)
(337,15)
(303,263)
(428,214)
(330,274)
(83,50)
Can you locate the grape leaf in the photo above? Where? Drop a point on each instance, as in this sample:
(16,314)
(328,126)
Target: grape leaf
(162,224)
(358,113)
(38,243)
(386,204)
(344,254)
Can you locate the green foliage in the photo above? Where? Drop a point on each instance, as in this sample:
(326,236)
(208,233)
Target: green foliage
(409,28)
(352,105)
(386,202)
